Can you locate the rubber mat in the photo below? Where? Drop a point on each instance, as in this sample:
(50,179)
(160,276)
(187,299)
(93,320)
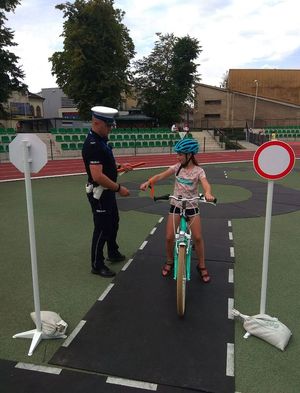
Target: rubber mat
(21,378)
(135,332)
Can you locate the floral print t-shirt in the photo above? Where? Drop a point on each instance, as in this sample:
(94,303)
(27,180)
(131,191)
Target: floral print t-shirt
(187,182)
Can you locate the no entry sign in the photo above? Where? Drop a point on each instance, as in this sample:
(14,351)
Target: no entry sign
(274,160)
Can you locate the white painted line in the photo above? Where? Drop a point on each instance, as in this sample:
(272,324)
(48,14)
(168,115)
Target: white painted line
(127,264)
(143,245)
(229,223)
(230,307)
(230,276)
(42,369)
(153,230)
(230,360)
(71,337)
(105,292)
(230,234)
(232,252)
(132,383)
(161,219)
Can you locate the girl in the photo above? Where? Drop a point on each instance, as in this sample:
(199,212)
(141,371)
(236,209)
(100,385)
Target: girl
(188,175)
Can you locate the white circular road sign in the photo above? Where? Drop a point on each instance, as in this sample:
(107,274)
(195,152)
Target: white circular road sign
(274,160)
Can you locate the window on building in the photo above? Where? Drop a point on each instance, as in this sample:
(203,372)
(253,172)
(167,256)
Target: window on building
(67,103)
(38,111)
(212,115)
(212,102)
(32,110)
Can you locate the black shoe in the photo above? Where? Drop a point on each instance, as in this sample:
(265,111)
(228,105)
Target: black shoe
(103,272)
(118,257)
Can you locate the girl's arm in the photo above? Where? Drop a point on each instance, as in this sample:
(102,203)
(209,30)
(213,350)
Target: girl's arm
(207,189)
(156,178)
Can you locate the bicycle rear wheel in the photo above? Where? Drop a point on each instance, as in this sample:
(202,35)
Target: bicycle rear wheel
(181,280)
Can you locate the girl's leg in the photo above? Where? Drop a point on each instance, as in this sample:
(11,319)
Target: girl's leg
(170,243)
(199,246)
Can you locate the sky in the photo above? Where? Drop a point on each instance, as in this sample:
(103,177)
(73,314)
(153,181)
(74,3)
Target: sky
(256,34)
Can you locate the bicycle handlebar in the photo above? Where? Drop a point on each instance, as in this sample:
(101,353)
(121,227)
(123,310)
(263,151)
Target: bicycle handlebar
(200,198)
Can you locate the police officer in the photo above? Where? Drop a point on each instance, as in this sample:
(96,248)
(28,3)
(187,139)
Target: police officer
(102,188)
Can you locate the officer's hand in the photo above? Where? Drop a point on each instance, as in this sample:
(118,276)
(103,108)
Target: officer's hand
(124,191)
(126,167)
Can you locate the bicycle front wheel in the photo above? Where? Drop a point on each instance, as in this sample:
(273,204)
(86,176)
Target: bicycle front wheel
(181,280)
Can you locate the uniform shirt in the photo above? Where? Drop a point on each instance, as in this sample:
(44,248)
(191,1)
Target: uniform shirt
(96,151)
(187,182)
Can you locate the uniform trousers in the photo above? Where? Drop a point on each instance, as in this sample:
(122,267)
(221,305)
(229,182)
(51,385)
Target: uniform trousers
(106,225)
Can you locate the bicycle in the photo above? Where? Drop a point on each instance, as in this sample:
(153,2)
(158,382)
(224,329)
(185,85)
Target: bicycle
(183,247)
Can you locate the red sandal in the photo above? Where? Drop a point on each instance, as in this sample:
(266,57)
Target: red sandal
(203,273)
(167,269)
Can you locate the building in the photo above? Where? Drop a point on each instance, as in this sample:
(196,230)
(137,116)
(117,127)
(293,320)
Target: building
(22,106)
(57,104)
(248,102)
(278,85)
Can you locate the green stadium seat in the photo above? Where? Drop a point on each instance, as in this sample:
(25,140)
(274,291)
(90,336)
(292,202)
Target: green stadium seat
(157,143)
(73,146)
(85,130)
(151,143)
(58,138)
(2,131)
(64,146)
(67,138)
(75,138)
(53,130)
(77,130)
(10,131)
(131,144)
(82,137)
(2,149)
(79,146)
(5,139)
(164,143)
(125,144)
(138,144)
(117,145)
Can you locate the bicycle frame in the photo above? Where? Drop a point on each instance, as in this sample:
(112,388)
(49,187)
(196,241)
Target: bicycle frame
(183,238)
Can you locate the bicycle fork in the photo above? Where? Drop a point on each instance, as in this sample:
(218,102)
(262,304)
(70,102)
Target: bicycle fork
(183,239)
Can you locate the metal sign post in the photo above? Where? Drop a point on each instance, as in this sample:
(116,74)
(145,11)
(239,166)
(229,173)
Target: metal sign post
(272,160)
(29,154)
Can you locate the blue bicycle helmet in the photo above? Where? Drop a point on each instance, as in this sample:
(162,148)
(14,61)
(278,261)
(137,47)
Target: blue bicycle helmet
(186,146)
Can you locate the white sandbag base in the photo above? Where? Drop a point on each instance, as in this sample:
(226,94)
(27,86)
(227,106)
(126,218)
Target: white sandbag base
(265,327)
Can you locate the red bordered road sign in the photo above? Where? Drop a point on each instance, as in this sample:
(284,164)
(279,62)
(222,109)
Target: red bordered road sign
(274,160)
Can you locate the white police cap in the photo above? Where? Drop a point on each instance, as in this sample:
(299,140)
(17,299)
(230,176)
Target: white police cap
(104,113)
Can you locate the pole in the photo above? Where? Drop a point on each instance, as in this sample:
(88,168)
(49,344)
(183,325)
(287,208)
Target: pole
(264,282)
(36,295)
(255,102)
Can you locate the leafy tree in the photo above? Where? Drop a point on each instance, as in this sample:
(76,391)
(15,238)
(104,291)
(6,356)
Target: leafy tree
(10,74)
(165,79)
(93,68)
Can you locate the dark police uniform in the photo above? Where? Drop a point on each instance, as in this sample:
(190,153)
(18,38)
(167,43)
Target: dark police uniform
(105,210)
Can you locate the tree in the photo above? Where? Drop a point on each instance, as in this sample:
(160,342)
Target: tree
(93,68)
(11,74)
(165,79)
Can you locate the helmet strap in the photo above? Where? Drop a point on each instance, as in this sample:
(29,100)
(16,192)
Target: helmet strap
(187,160)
